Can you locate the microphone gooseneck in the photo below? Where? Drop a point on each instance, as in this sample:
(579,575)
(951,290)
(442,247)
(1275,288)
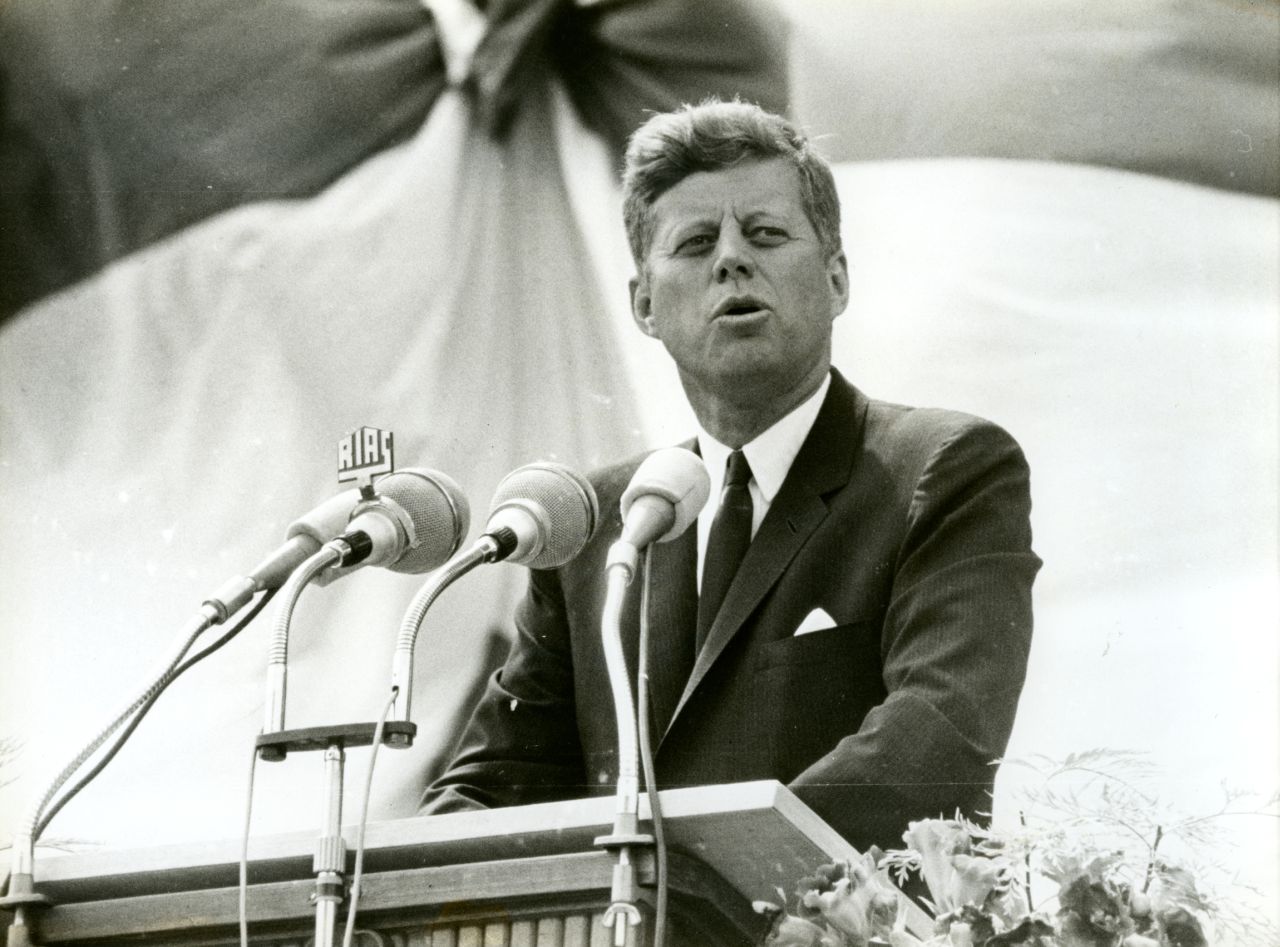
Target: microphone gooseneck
(482,551)
(664,497)
(305,536)
(278,654)
(541,516)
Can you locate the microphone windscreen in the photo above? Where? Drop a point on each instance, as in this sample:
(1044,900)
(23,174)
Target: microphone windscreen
(438,510)
(563,504)
(676,475)
(327,520)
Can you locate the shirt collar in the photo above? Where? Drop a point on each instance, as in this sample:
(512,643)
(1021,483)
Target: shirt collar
(772,452)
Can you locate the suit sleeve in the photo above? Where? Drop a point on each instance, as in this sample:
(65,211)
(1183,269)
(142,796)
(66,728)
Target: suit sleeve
(521,744)
(954,648)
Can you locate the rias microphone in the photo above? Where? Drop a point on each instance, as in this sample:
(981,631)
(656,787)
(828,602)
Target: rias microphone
(413,523)
(416,521)
(541,516)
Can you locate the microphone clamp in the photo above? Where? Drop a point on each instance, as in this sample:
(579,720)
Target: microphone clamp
(503,542)
(354,548)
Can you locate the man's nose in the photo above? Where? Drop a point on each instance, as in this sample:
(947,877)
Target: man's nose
(733,257)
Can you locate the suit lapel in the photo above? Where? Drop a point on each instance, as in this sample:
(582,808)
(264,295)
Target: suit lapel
(823,464)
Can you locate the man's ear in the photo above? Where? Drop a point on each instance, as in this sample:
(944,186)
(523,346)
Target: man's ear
(838,280)
(642,305)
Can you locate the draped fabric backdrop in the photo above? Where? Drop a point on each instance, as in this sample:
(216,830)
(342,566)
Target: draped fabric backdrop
(232,232)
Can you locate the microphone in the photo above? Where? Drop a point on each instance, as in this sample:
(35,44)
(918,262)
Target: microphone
(665,495)
(551,511)
(415,523)
(304,537)
(541,516)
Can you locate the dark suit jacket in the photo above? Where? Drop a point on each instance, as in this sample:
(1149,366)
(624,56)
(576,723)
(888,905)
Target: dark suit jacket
(910,527)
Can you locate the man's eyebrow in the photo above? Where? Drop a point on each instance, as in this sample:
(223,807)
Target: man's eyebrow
(696,218)
(680,228)
(769,213)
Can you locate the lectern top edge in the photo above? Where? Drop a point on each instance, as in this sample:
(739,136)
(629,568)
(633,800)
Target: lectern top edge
(544,828)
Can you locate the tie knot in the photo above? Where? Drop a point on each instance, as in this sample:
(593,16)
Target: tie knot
(738,473)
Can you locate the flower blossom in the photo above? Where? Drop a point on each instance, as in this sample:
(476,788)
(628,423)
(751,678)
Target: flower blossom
(956,877)
(787,930)
(1093,911)
(858,905)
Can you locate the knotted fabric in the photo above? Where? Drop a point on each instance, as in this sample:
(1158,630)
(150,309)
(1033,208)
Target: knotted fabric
(727,543)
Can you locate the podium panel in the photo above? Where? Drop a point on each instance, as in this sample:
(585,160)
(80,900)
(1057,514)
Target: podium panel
(545,901)
(528,875)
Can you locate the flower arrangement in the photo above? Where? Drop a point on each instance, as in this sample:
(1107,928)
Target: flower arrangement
(1084,868)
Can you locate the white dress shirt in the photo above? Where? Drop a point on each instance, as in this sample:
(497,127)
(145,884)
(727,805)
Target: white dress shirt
(770,456)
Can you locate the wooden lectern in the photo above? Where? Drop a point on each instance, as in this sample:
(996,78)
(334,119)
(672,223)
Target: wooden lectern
(510,877)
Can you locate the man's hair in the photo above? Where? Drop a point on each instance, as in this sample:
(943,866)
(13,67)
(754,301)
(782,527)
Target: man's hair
(713,136)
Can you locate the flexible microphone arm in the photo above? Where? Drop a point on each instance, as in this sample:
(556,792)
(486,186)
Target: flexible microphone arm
(541,516)
(331,553)
(620,567)
(662,500)
(488,548)
(622,913)
(304,539)
(22,896)
(232,596)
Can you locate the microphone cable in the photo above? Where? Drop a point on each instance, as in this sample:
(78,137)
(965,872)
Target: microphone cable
(646,758)
(358,873)
(243,886)
(27,834)
(149,700)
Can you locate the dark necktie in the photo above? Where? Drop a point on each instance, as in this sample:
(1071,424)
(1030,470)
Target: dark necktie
(727,543)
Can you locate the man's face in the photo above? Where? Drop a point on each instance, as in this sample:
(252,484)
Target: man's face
(736,286)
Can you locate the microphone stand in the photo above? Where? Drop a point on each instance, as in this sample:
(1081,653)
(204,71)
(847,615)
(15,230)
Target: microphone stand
(275,743)
(22,898)
(626,842)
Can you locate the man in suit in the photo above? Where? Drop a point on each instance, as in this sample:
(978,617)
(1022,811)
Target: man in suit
(852,613)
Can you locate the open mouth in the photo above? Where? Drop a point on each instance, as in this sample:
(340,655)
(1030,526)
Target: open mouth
(741,308)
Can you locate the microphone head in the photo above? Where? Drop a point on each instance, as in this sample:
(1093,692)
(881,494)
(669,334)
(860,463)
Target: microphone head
(552,510)
(437,513)
(677,476)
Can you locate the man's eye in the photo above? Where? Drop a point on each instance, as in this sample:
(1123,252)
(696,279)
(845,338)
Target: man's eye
(699,241)
(768,235)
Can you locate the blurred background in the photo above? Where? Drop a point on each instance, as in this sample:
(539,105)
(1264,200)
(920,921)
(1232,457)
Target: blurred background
(231,232)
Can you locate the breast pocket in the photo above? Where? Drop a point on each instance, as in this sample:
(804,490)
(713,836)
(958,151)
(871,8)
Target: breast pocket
(848,645)
(815,689)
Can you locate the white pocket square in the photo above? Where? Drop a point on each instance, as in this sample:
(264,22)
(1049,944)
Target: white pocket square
(816,620)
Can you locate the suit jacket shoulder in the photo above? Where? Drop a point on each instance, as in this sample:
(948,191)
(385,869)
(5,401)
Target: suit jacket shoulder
(920,448)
